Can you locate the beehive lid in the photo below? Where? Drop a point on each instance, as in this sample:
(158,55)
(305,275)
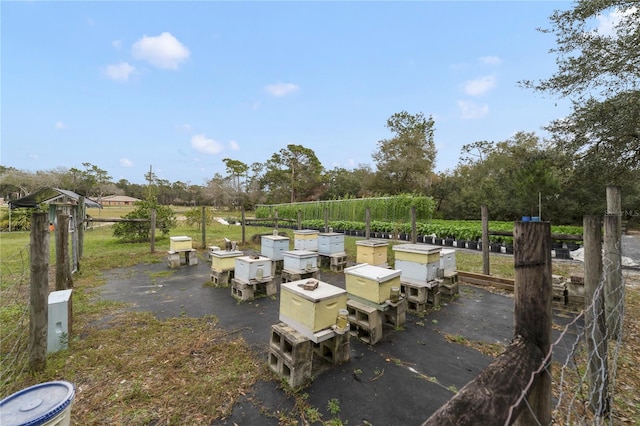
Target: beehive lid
(330,234)
(300,253)
(372,243)
(251,259)
(180,238)
(322,292)
(306,231)
(373,272)
(275,237)
(417,248)
(224,253)
(445,252)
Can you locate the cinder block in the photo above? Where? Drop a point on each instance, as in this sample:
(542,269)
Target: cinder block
(415,293)
(416,308)
(289,276)
(396,315)
(336,350)
(290,344)
(192,257)
(295,375)
(365,322)
(173,259)
(242,291)
(221,278)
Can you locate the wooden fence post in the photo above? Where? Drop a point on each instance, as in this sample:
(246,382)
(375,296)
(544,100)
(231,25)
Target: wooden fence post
(153,230)
(39,291)
(244,238)
(326,219)
(63,267)
(612,263)
(533,295)
(204,227)
(299,219)
(485,240)
(414,231)
(595,323)
(275,219)
(367,223)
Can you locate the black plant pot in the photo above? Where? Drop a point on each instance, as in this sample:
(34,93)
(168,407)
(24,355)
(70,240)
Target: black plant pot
(461,244)
(472,245)
(509,249)
(572,246)
(429,240)
(438,241)
(420,239)
(495,247)
(448,242)
(563,253)
(556,246)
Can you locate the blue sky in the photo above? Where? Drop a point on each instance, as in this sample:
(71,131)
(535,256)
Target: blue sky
(181,85)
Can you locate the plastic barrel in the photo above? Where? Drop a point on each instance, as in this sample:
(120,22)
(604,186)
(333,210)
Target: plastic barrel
(526,218)
(535,219)
(46,404)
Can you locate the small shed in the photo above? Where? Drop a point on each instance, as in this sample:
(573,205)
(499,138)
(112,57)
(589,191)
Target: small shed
(118,200)
(60,201)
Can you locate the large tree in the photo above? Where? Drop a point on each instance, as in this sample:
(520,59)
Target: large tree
(598,69)
(293,174)
(405,162)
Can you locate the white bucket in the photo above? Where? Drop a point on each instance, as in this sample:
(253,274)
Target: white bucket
(46,404)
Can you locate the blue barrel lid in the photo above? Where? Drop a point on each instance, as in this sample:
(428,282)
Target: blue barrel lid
(37,404)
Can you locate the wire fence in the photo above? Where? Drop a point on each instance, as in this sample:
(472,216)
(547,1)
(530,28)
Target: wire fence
(14,314)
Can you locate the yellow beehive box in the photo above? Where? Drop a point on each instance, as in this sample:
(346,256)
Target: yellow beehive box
(223,260)
(311,311)
(373,252)
(419,253)
(180,243)
(371,283)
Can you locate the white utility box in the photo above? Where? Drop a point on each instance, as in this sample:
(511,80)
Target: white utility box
(59,318)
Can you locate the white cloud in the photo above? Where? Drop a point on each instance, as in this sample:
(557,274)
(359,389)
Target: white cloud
(59,125)
(117,44)
(205,145)
(163,51)
(491,60)
(119,72)
(480,85)
(470,109)
(607,23)
(234,146)
(281,89)
(125,162)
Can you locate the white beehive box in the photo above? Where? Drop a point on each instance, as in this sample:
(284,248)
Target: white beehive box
(373,252)
(180,243)
(59,320)
(418,262)
(310,311)
(371,283)
(448,261)
(300,261)
(305,239)
(273,246)
(223,260)
(330,243)
(252,268)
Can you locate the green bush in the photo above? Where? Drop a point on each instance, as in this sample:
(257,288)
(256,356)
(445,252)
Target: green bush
(141,231)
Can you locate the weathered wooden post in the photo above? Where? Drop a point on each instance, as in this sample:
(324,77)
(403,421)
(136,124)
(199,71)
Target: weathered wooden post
(367,223)
(81,215)
(612,263)
(533,295)
(485,240)
(299,219)
(39,291)
(204,227)
(275,219)
(153,230)
(63,266)
(414,231)
(326,219)
(244,235)
(595,322)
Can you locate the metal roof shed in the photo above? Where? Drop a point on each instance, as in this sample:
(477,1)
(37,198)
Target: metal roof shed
(52,196)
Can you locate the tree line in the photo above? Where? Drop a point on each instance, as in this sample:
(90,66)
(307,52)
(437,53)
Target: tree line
(562,178)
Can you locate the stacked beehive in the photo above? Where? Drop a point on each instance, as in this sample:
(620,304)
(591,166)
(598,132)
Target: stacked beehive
(419,264)
(372,252)
(273,246)
(178,246)
(448,273)
(299,264)
(252,276)
(374,299)
(331,251)
(309,313)
(223,264)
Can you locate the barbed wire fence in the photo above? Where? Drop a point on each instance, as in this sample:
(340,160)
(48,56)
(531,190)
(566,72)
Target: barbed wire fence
(14,314)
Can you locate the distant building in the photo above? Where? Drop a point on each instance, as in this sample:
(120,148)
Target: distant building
(118,200)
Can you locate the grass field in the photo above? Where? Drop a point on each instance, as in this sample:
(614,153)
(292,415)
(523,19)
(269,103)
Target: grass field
(201,374)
